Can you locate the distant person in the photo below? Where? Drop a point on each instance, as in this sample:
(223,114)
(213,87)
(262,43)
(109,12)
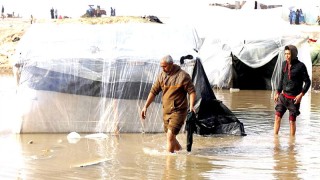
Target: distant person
(294,83)
(2,12)
(52,13)
(31,19)
(111,11)
(98,14)
(297,16)
(175,84)
(292,16)
(56,14)
(301,18)
(318,20)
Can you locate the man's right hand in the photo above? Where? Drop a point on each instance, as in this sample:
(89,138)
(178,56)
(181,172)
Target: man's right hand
(148,102)
(276,97)
(143,113)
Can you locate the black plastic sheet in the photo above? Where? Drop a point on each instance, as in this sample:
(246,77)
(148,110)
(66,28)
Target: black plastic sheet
(190,128)
(213,117)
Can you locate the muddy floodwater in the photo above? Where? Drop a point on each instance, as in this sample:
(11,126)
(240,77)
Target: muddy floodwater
(142,156)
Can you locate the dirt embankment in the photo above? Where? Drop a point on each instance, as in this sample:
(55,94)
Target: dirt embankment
(12,29)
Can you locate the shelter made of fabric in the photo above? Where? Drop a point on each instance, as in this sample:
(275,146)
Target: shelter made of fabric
(94,78)
(247,47)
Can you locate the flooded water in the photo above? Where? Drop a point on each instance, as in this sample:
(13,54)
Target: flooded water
(142,156)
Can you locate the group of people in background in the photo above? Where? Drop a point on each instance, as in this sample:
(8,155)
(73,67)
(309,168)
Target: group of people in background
(296,17)
(112,11)
(54,13)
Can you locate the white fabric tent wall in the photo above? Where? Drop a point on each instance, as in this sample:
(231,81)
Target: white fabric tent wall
(106,54)
(254,36)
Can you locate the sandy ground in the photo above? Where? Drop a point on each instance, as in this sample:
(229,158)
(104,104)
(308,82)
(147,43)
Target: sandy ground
(10,32)
(12,29)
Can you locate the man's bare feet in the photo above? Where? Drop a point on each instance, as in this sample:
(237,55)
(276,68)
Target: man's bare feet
(178,147)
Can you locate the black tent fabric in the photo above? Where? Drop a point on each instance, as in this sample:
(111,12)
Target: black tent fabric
(213,117)
(246,77)
(190,128)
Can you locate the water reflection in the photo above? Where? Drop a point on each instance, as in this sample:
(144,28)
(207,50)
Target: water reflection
(286,164)
(186,167)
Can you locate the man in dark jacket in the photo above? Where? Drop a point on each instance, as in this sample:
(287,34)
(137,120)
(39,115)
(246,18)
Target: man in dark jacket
(294,83)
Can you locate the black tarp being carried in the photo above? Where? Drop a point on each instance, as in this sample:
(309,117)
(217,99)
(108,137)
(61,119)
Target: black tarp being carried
(212,117)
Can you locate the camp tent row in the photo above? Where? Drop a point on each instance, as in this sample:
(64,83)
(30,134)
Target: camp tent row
(96,78)
(250,64)
(87,78)
(244,49)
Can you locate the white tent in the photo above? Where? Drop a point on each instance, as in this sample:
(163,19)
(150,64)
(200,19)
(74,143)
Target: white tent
(94,78)
(255,37)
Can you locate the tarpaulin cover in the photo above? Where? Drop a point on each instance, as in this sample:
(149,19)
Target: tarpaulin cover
(94,78)
(213,117)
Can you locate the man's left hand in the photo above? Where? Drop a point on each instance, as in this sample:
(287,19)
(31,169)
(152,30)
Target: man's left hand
(192,109)
(298,98)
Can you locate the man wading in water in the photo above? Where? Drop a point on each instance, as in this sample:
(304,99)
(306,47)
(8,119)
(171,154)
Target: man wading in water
(290,89)
(175,84)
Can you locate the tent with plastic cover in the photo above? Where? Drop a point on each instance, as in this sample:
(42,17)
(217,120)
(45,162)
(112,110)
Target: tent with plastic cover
(250,56)
(95,78)
(251,64)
